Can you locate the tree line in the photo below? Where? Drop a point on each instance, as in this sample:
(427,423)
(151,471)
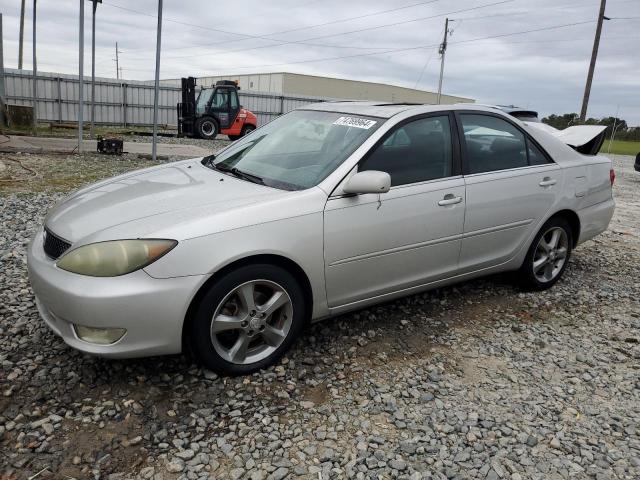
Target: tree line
(622,130)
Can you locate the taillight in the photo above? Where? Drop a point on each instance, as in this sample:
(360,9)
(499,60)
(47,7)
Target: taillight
(612,176)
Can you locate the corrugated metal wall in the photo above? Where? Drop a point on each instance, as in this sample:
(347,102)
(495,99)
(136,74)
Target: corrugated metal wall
(124,102)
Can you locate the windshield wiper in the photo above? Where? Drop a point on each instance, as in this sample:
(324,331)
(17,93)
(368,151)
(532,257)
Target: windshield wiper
(238,173)
(220,166)
(247,176)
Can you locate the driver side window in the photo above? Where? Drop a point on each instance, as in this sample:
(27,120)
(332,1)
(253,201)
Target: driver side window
(417,151)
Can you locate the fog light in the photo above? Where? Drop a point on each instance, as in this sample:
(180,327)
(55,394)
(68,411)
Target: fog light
(100,336)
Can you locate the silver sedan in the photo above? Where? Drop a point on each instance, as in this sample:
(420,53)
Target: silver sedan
(327,209)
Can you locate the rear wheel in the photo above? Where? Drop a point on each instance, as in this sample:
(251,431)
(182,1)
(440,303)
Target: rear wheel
(247,129)
(248,320)
(548,255)
(207,128)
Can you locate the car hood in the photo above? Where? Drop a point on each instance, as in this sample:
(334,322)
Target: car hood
(139,203)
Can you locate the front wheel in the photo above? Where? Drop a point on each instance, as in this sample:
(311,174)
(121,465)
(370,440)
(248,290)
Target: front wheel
(207,128)
(548,255)
(248,320)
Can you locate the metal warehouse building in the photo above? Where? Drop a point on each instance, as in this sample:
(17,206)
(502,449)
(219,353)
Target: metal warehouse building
(284,83)
(130,102)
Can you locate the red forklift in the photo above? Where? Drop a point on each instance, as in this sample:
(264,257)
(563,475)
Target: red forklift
(216,110)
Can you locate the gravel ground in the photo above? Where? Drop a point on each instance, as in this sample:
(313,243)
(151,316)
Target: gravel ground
(473,381)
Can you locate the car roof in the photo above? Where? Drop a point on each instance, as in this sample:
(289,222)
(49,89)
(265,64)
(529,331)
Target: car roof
(388,110)
(372,109)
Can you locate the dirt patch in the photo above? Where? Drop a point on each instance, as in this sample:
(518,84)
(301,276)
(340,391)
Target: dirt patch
(318,394)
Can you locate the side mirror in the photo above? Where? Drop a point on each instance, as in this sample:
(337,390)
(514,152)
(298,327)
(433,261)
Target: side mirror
(369,181)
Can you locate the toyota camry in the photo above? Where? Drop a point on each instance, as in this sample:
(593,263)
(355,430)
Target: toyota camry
(330,208)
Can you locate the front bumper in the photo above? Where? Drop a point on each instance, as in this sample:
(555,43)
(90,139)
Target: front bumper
(151,310)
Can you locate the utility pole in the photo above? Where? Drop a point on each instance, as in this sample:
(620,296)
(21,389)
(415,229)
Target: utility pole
(93,65)
(35,74)
(21,40)
(157,84)
(2,120)
(117,64)
(81,76)
(592,64)
(442,51)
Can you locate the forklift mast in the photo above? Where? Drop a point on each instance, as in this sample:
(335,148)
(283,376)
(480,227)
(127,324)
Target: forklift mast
(187,108)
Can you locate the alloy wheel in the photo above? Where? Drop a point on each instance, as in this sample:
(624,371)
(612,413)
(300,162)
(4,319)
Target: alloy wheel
(251,322)
(551,254)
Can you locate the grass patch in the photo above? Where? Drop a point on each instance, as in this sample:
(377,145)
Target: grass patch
(621,147)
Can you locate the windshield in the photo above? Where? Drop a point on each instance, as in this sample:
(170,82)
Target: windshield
(203,99)
(298,150)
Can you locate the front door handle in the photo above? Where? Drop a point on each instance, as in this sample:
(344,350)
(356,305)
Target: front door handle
(547,182)
(449,199)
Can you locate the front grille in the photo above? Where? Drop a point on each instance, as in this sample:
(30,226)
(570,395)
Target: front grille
(54,246)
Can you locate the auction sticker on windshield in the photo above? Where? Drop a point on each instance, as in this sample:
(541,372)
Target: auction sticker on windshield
(355,122)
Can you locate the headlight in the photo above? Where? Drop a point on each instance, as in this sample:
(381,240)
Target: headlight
(113,258)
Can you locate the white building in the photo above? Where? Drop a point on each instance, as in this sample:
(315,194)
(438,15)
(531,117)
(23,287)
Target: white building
(284,83)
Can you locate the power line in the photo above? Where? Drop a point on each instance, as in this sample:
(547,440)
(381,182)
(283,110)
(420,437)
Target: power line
(358,17)
(433,46)
(332,22)
(395,50)
(424,68)
(306,40)
(418,47)
(303,41)
(267,36)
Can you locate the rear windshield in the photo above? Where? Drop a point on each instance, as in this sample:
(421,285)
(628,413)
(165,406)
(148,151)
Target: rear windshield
(300,149)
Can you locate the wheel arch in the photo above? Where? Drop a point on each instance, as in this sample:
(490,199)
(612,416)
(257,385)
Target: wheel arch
(574,222)
(270,259)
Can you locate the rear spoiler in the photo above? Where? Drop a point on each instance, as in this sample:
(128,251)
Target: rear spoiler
(585,139)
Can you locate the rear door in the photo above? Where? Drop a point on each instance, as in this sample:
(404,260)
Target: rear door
(378,244)
(511,183)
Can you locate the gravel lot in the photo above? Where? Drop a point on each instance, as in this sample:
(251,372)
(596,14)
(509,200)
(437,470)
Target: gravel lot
(473,381)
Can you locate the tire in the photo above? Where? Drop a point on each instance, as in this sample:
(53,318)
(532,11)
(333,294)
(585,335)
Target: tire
(247,129)
(207,128)
(548,255)
(232,335)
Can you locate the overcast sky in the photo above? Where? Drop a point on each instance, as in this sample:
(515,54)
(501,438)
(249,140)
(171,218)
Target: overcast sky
(543,69)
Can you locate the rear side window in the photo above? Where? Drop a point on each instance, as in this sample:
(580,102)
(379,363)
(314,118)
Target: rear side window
(492,144)
(536,157)
(414,152)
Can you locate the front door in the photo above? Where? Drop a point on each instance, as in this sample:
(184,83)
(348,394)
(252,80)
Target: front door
(378,244)
(224,106)
(511,184)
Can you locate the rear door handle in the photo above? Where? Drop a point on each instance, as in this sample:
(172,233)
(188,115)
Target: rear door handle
(547,182)
(449,199)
